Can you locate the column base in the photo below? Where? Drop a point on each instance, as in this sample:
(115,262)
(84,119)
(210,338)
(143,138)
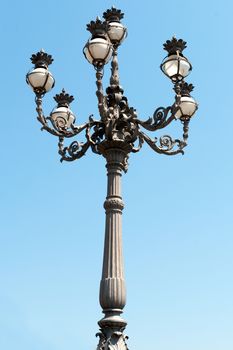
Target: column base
(112,339)
(111,336)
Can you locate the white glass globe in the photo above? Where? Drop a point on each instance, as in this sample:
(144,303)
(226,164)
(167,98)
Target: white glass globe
(176,67)
(40,79)
(98,50)
(62,117)
(116,32)
(187,107)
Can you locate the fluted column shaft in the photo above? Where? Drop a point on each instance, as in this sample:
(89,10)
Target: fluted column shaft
(112,286)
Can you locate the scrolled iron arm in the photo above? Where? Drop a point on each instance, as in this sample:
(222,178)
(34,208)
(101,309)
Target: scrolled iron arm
(74,151)
(166,143)
(160,119)
(118,121)
(75,130)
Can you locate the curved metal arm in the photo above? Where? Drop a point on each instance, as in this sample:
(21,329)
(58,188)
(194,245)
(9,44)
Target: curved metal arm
(75,130)
(74,151)
(159,120)
(140,143)
(78,149)
(166,144)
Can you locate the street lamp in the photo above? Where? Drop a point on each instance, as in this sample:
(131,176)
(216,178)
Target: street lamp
(116,134)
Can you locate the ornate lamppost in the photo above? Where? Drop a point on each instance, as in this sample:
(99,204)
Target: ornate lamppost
(116,134)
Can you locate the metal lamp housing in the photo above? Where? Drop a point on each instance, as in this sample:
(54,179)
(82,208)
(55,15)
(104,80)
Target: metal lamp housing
(40,80)
(98,51)
(186,108)
(176,67)
(116,32)
(62,117)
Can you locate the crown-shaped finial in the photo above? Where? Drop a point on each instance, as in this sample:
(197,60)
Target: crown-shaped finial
(97,28)
(182,88)
(174,45)
(113,15)
(63,99)
(41,59)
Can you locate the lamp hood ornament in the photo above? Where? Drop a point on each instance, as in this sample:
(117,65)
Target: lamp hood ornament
(114,135)
(98,28)
(63,99)
(41,59)
(174,45)
(113,15)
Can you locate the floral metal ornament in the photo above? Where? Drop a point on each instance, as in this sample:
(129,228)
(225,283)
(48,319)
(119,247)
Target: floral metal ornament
(174,45)
(63,99)
(98,28)
(113,15)
(41,59)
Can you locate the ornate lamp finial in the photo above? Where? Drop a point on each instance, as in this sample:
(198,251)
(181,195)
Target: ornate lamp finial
(97,28)
(174,45)
(63,99)
(41,59)
(113,15)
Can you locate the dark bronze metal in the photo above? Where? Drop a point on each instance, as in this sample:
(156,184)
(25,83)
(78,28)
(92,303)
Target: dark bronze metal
(41,59)
(63,99)
(183,89)
(97,28)
(174,45)
(113,15)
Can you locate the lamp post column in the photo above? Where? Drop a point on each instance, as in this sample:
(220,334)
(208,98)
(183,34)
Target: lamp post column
(112,285)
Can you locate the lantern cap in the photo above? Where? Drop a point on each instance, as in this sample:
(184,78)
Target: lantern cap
(97,28)
(174,45)
(41,59)
(113,15)
(63,99)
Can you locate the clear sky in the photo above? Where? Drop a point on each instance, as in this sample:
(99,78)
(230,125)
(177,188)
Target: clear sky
(178,217)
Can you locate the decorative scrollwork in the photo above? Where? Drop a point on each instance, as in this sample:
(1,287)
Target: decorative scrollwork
(166,146)
(121,124)
(118,124)
(76,150)
(166,142)
(140,143)
(60,124)
(159,120)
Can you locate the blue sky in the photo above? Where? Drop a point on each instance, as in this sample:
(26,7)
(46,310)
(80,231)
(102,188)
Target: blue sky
(177,223)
